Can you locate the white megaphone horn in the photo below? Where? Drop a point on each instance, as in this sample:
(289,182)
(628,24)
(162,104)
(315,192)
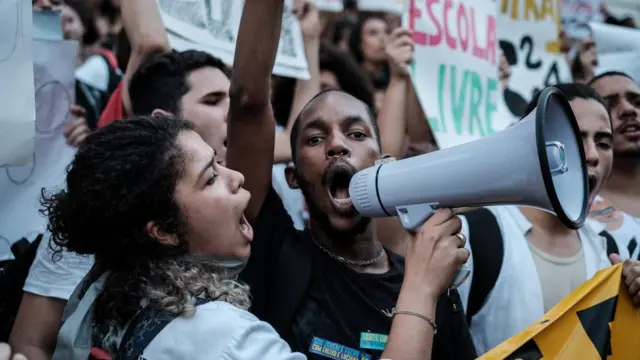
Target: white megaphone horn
(537,162)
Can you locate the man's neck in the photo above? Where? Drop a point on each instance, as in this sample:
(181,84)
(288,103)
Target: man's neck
(549,234)
(360,247)
(625,178)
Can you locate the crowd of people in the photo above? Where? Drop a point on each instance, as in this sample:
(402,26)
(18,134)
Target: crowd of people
(206,213)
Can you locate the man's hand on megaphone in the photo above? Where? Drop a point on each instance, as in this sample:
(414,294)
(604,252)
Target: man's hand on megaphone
(436,253)
(400,51)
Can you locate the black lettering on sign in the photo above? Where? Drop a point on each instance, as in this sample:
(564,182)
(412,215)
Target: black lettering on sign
(528,351)
(633,244)
(526,45)
(595,321)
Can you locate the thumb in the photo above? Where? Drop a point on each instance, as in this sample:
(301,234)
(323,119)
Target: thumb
(615,259)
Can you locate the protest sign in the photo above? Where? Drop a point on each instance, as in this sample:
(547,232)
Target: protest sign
(212,26)
(618,49)
(17,129)
(389,6)
(596,321)
(577,14)
(528,37)
(330,5)
(20,186)
(455,68)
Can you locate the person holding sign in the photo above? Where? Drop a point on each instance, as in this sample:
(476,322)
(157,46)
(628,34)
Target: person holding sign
(524,260)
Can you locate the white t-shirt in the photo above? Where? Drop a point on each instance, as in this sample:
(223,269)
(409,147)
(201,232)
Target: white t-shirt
(624,228)
(56,279)
(220,331)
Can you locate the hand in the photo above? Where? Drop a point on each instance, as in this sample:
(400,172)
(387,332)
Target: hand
(76,129)
(309,18)
(5,353)
(631,275)
(436,253)
(400,51)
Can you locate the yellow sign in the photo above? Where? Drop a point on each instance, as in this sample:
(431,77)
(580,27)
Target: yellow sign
(597,321)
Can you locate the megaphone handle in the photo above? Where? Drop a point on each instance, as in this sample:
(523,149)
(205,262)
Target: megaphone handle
(412,218)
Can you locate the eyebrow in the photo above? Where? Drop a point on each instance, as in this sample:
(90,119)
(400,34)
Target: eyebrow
(218,93)
(208,166)
(348,121)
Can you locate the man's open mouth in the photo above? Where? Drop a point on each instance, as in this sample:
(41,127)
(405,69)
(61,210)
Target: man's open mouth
(632,129)
(337,182)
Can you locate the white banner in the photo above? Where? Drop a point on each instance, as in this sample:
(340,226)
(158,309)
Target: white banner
(212,26)
(528,31)
(455,68)
(17,117)
(614,39)
(577,14)
(330,5)
(390,6)
(20,186)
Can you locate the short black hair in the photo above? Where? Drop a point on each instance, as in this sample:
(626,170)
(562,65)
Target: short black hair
(161,80)
(571,91)
(610,73)
(87,17)
(295,129)
(380,80)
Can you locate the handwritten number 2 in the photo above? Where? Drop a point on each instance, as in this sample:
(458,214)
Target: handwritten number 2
(526,45)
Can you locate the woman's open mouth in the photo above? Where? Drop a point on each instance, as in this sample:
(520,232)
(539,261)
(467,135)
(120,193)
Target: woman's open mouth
(245,228)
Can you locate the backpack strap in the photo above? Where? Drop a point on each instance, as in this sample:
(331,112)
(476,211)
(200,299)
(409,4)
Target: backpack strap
(144,327)
(612,247)
(485,240)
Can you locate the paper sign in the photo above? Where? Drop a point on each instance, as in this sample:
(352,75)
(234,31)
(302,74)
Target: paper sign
(596,321)
(390,6)
(614,39)
(17,118)
(20,186)
(455,68)
(577,14)
(330,5)
(528,37)
(212,26)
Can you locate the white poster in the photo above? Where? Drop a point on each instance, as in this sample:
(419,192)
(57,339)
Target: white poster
(212,26)
(618,49)
(17,118)
(577,14)
(528,32)
(20,186)
(390,6)
(455,68)
(330,5)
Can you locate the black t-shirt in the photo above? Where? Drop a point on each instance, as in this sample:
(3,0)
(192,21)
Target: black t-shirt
(337,304)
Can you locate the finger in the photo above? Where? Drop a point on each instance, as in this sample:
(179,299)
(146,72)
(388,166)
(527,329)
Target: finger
(19,357)
(440,216)
(615,259)
(406,40)
(636,300)
(77,133)
(462,255)
(634,287)
(450,227)
(463,239)
(80,139)
(77,110)
(399,32)
(629,267)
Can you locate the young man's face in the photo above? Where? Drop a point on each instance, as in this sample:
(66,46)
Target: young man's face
(207,105)
(336,139)
(597,140)
(622,95)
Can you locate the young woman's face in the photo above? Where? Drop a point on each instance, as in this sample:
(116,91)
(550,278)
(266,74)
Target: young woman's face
(212,202)
(374,40)
(72,27)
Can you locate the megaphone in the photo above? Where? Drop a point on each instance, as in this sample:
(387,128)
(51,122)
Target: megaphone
(537,162)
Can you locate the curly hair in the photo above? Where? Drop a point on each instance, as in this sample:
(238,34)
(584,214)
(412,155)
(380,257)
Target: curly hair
(161,81)
(122,178)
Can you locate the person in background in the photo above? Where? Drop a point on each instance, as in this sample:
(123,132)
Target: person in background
(618,207)
(367,44)
(583,60)
(50,284)
(531,260)
(342,31)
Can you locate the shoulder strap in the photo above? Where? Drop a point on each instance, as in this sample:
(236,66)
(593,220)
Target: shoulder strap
(485,239)
(612,247)
(144,327)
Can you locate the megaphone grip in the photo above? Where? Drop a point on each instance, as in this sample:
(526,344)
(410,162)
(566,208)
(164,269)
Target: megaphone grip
(461,276)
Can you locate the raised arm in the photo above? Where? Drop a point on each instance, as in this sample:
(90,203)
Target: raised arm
(251,132)
(145,30)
